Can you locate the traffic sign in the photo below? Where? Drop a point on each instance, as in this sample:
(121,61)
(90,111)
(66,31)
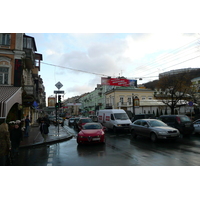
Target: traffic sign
(59,85)
(58,91)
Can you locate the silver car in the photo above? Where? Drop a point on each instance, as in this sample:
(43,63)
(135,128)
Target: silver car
(196,126)
(154,129)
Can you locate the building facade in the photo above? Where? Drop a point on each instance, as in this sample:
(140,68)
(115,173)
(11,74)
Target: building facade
(21,88)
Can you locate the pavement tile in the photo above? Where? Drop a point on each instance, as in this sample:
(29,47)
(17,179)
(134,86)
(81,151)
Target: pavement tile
(55,135)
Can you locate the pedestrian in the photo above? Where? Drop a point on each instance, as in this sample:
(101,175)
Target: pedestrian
(5,146)
(16,136)
(27,126)
(44,129)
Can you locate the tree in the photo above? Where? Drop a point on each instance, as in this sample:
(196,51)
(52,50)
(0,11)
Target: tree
(176,88)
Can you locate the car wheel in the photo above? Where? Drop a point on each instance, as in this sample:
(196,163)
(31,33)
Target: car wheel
(133,134)
(153,137)
(114,129)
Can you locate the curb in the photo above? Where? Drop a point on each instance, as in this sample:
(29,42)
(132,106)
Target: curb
(46,143)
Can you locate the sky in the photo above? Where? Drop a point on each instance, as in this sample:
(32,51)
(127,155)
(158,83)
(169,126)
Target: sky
(79,60)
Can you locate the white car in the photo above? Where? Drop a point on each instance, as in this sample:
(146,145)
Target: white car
(196,126)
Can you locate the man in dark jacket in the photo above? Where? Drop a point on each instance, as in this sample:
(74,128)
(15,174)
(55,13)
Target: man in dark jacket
(44,129)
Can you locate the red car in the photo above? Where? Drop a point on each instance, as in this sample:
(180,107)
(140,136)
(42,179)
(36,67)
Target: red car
(82,121)
(91,133)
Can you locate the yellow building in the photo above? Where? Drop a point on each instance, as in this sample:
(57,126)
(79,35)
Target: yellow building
(123,97)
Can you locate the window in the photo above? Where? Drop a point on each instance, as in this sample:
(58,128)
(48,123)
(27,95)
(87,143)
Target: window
(4,39)
(121,99)
(27,43)
(143,98)
(4,75)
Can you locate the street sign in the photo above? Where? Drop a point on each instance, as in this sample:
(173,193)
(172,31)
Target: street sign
(58,91)
(190,103)
(59,85)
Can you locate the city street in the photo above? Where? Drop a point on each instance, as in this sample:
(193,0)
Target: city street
(119,150)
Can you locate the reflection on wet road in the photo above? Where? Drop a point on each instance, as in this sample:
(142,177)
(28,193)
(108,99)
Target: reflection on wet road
(119,150)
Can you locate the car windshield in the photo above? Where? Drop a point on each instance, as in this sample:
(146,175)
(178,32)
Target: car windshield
(156,123)
(122,116)
(86,120)
(92,126)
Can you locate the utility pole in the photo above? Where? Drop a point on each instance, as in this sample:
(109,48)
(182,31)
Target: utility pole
(133,100)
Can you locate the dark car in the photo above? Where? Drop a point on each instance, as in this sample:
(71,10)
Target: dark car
(71,122)
(143,116)
(83,121)
(181,122)
(76,119)
(154,129)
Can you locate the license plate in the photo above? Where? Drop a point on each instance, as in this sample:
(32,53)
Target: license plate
(96,139)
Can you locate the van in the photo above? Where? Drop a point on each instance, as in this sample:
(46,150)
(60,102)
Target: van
(114,119)
(181,122)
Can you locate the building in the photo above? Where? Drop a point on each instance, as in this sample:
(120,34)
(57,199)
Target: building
(21,88)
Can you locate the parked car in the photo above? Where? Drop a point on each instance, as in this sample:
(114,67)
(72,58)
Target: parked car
(94,118)
(154,129)
(143,116)
(59,120)
(82,121)
(196,125)
(76,122)
(71,122)
(181,122)
(91,133)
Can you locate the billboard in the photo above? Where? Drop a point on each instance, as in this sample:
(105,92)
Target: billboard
(51,101)
(118,82)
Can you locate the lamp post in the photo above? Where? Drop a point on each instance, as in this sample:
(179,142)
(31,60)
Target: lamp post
(133,100)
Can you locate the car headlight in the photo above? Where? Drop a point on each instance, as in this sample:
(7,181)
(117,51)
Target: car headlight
(119,125)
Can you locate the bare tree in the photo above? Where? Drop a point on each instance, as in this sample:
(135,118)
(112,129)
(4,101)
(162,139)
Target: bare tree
(175,89)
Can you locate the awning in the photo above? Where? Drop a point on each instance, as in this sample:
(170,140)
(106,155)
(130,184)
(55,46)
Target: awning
(8,97)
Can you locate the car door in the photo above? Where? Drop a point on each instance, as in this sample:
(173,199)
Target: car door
(144,128)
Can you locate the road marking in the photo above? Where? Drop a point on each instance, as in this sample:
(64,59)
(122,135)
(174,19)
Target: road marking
(50,156)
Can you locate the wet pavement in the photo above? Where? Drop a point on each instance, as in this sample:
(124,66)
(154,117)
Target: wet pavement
(55,135)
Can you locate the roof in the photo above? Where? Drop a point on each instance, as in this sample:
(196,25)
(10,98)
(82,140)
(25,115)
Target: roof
(9,96)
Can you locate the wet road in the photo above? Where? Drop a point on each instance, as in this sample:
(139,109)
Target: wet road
(119,150)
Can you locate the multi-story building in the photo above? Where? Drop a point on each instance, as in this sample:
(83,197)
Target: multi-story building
(21,88)
(94,100)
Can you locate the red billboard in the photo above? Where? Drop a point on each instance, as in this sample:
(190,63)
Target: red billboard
(118,82)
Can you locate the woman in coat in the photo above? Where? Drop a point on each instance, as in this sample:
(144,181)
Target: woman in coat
(16,136)
(5,146)
(44,129)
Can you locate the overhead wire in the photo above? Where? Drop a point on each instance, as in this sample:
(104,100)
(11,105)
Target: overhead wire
(164,58)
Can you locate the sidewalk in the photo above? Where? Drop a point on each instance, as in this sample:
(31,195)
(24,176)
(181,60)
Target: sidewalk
(35,138)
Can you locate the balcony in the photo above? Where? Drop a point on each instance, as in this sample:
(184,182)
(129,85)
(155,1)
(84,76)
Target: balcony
(30,90)
(123,104)
(30,58)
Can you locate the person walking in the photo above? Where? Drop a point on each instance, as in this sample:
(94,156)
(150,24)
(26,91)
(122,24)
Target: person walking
(27,126)
(44,129)
(5,145)
(16,136)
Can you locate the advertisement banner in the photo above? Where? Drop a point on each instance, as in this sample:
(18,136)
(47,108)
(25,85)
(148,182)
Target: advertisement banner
(118,82)
(51,101)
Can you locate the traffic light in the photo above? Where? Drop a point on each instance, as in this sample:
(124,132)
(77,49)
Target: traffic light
(59,98)
(56,105)
(59,101)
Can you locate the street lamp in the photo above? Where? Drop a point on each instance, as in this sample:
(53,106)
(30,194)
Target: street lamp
(133,100)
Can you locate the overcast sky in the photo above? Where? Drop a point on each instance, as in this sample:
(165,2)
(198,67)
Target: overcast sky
(81,59)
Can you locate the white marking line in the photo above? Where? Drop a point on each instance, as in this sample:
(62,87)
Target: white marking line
(50,157)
